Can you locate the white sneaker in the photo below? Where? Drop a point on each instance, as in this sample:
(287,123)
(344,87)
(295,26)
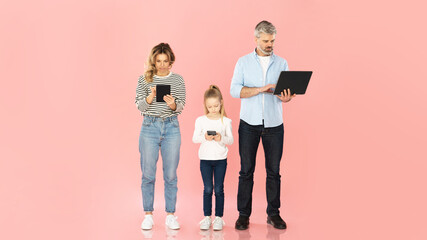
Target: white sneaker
(218,223)
(171,222)
(206,222)
(148,222)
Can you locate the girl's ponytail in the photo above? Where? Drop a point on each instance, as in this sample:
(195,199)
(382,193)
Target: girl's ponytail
(213,91)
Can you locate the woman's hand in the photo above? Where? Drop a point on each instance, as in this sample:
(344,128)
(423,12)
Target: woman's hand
(217,137)
(209,137)
(170,101)
(152,95)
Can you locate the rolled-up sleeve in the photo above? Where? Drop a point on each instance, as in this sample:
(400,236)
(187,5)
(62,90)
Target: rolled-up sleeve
(181,96)
(237,80)
(141,95)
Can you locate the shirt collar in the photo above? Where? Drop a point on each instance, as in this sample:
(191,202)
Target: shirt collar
(170,73)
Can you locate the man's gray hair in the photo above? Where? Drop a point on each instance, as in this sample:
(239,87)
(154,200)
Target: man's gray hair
(264,27)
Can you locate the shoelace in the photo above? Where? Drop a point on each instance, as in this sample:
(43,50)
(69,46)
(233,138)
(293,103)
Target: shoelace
(218,219)
(204,220)
(150,219)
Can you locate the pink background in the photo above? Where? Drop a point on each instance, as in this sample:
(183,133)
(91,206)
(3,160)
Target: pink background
(354,165)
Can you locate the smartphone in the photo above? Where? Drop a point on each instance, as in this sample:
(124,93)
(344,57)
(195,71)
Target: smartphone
(212,133)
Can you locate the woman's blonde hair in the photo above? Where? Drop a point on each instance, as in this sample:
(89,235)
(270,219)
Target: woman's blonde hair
(214,92)
(162,48)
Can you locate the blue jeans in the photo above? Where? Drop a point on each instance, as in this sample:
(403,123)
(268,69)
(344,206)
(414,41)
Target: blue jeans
(272,141)
(164,134)
(213,169)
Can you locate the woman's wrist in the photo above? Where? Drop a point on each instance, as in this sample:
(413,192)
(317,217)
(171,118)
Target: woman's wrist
(173,106)
(149,99)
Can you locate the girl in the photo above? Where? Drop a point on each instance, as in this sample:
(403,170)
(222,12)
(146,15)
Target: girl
(160,130)
(213,131)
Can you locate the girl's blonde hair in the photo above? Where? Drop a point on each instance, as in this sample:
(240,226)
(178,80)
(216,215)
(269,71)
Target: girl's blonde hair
(214,92)
(162,48)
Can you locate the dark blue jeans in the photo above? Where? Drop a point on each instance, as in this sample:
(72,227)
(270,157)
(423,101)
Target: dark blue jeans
(272,141)
(213,170)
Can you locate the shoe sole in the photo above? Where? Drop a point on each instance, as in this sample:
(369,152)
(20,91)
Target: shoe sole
(241,228)
(173,228)
(145,229)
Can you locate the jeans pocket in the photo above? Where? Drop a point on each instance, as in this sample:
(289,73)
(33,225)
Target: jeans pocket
(175,123)
(146,122)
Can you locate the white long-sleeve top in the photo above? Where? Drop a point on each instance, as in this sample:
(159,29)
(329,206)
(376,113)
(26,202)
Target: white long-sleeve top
(213,150)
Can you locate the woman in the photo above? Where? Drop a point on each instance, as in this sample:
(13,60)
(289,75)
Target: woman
(160,130)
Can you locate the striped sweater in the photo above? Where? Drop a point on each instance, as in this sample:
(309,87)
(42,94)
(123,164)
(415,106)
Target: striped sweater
(160,109)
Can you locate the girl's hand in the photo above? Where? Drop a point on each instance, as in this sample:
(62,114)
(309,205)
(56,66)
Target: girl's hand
(209,137)
(170,101)
(152,95)
(217,137)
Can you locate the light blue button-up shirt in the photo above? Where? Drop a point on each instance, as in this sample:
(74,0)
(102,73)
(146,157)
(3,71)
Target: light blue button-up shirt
(248,73)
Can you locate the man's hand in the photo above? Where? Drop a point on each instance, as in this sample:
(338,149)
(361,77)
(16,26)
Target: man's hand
(170,101)
(286,96)
(267,88)
(247,92)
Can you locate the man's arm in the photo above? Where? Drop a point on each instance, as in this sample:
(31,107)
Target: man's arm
(247,92)
(238,89)
(237,81)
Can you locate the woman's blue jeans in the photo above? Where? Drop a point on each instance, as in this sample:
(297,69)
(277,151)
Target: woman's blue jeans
(159,134)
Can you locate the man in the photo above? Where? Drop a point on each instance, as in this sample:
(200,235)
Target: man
(260,118)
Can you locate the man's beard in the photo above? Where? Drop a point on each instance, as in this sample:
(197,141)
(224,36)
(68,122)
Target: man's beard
(265,52)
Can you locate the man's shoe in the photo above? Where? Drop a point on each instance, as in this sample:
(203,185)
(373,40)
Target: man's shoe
(276,221)
(242,223)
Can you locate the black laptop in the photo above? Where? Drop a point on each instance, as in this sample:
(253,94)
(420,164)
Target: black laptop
(296,81)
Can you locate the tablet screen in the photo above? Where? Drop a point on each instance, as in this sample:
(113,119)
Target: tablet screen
(161,91)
